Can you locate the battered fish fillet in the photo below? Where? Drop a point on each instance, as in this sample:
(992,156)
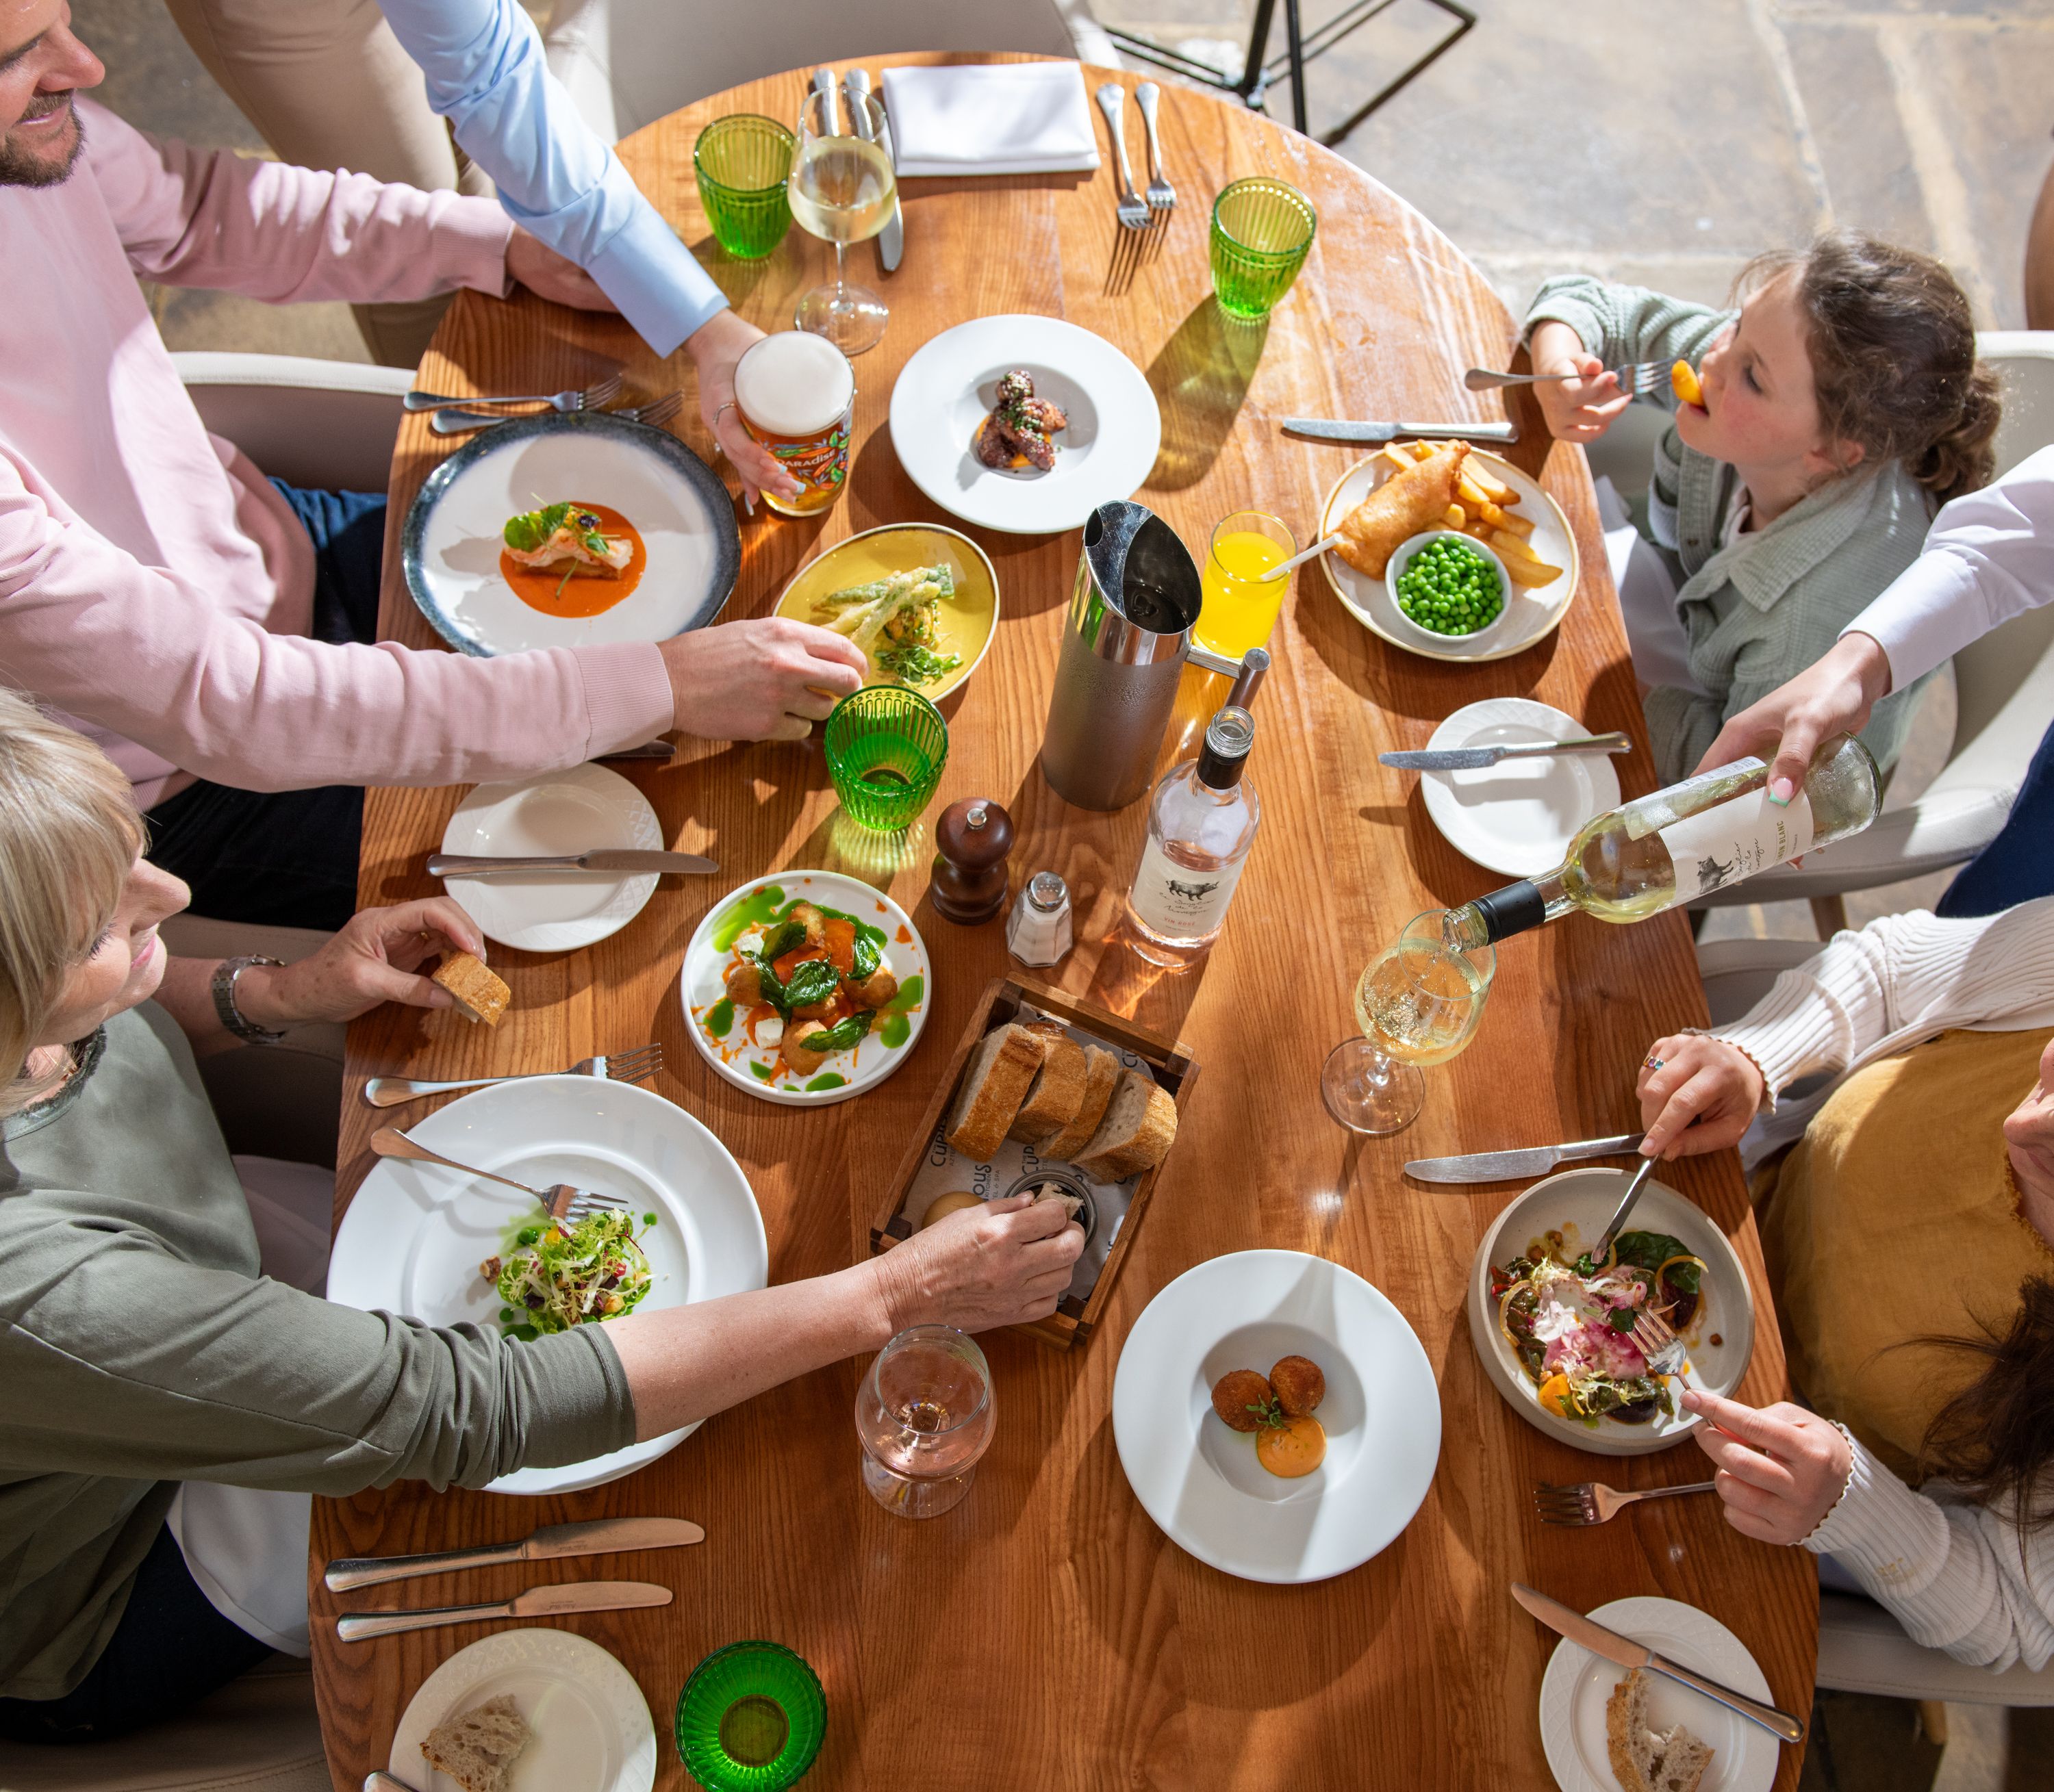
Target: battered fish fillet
(1413,498)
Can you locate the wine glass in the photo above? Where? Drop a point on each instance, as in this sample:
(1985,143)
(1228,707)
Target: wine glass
(924,1415)
(1419,1002)
(842,188)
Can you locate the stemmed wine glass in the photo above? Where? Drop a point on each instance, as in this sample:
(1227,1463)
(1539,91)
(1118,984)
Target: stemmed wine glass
(842,188)
(1419,1002)
(924,1416)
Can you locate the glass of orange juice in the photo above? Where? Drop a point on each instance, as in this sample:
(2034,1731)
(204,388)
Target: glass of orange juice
(1240,605)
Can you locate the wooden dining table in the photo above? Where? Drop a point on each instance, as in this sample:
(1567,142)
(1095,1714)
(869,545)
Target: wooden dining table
(1046,1633)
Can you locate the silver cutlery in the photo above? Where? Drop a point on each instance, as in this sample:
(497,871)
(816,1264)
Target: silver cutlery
(1337,429)
(1599,1250)
(1132,211)
(1162,196)
(655,414)
(892,239)
(1472,759)
(1642,376)
(606,858)
(1628,1653)
(1667,1353)
(621,1067)
(1581,1503)
(378,1780)
(1503,1166)
(594,397)
(564,1203)
(553,1542)
(649,749)
(537,1602)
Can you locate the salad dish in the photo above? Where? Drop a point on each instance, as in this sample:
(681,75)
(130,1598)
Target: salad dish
(553,1277)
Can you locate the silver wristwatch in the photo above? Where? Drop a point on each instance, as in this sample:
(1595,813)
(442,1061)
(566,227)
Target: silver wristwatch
(225,974)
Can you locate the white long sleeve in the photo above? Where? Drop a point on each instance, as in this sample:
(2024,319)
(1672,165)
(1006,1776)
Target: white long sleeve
(1989,557)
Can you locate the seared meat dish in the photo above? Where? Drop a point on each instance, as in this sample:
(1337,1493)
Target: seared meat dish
(1016,433)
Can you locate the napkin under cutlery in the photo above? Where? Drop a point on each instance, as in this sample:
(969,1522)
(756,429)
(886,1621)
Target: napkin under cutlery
(1007,118)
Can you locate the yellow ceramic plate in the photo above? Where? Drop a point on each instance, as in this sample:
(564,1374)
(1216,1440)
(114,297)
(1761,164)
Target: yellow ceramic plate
(968,620)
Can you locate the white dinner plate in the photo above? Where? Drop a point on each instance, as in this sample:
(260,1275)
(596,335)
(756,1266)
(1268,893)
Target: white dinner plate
(1200,1482)
(1579,1204)
(1577,1684)
(450,547)
(592,1732)
(1530,613)
(1519,815)
(579,810)
(950,383)
(415,1233)
(719,1032)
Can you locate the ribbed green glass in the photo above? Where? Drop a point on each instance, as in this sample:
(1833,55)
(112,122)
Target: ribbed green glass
(750,1719)
(742,162)
(886,747)
(1262,231)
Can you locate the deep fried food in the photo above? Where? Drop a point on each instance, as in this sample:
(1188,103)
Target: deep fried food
(1300,1384)
(1413,498)
(1241,1397)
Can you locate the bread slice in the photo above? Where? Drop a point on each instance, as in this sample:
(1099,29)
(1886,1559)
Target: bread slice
(478,995)
(994,1083)
(1684,1763)
(1644,1759)
(1101,1072)
(1139,1126)
(477,1748)
(1058,1090)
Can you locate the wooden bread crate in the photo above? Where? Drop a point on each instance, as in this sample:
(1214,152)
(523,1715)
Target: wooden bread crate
(1005,999)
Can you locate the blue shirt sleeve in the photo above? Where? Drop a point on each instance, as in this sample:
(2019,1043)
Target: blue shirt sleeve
(487,76)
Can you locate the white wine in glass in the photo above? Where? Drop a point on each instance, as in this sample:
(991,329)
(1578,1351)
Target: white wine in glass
(842,190)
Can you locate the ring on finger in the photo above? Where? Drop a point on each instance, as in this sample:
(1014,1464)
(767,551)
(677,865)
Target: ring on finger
(1652,1062)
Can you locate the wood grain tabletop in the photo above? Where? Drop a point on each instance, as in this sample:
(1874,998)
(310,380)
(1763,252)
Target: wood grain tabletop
(1046,1633)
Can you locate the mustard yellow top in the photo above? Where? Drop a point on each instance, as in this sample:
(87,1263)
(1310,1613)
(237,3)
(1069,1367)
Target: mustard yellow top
(1896,1217)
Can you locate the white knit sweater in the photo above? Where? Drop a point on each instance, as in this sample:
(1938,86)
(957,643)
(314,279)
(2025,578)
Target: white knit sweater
(1951,1571)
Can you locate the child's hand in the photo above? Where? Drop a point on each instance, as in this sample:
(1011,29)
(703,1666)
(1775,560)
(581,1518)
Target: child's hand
(1579,408)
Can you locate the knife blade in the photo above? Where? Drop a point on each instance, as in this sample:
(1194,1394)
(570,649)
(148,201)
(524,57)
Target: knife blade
(610,858)
(1474,759)
(892,239)
(550,1543)
(537,1602)
(1332,429)
(1628,1653)
(1501,1167)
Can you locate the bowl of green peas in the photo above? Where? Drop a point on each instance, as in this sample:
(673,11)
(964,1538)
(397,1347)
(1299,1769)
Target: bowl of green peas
(1448,585)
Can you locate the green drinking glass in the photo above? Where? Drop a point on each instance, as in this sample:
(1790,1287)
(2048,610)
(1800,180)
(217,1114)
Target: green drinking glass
(1262,231)
(742,162)
(750,1719)
(886,747)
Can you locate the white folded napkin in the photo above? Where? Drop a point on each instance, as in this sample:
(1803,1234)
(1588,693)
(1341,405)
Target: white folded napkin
(1002,118)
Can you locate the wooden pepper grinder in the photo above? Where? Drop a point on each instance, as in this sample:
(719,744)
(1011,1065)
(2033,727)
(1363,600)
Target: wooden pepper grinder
(974,836)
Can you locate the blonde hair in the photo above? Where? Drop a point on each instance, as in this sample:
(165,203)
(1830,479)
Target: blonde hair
(69,835)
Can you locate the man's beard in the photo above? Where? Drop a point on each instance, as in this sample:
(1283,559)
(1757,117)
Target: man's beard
(18,168)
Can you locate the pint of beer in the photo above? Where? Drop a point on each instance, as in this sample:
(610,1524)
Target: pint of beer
(795,393)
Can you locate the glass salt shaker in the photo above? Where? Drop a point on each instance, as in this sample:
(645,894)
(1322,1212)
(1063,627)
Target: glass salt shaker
(1038,931)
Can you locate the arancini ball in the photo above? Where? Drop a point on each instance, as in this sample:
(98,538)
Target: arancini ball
(1299,1386)
(1237,1391)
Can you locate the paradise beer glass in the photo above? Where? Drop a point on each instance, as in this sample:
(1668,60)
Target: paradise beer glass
(796,393)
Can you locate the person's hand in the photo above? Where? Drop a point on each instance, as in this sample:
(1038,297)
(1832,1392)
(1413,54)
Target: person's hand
(1832,696)
(375,958)
(767,679)
(1697,1094)
(715,347)
(1581,408)
(1004,1262)
(551,276)
(1781,1469)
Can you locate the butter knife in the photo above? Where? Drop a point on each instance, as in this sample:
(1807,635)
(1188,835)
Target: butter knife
(1628,1653)
(537,1602)
(1330,429)
(550,1543)
(1501,1166)
(611,859)
(1474,759)
(892,239)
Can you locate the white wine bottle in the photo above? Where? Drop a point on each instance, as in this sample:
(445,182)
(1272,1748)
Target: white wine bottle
(1680,844)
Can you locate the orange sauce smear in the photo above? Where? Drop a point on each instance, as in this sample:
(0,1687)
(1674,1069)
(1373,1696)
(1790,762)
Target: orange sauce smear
(589,592)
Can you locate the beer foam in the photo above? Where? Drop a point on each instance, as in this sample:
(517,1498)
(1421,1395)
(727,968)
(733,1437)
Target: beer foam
(793,384)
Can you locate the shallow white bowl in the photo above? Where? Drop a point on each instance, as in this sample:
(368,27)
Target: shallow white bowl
(1401,557)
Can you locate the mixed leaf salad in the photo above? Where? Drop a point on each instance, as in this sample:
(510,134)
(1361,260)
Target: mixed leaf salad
(1569,1321)
(897,621)
(554,1277)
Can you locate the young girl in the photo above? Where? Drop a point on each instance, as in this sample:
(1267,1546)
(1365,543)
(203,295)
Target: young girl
(1841,404)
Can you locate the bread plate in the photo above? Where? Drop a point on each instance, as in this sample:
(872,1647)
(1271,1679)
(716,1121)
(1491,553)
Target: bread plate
(1530,614)
(1519,815)
(1578,1203)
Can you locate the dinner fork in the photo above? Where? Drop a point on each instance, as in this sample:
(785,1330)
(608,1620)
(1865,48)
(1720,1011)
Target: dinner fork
(564,1203)
(657,412)
(1112,102)
(1161,195)
(590,398)
(622,1066)
(1667,1353)
(1593,1503)
(1642,376)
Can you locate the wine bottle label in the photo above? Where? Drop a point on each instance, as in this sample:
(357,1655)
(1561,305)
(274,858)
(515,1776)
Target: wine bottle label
(1177,901)
(1734,839)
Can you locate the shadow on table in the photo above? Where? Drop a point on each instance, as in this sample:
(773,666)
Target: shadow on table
(1200,380)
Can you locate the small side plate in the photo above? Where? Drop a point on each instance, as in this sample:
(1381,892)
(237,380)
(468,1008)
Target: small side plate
(1519,815)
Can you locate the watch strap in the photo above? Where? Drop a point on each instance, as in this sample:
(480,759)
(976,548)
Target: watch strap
(225,974)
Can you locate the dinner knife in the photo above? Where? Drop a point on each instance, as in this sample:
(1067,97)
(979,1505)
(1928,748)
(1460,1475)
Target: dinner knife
(550,1543)
(1501,1166)
(611,859)
(1474,759)
(378,1780)
(537,1602)
(1330,429)
(1628,1653)
(892,239)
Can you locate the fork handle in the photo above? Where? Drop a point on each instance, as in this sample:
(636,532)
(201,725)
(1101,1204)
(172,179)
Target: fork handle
(1112,102)
(1484,379)
(1146,98)
(438,401)
(389,1141)
(390,1091)
(1664,1493)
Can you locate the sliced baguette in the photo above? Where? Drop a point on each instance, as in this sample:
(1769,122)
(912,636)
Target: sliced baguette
(477,1748)
(1101,1073)
(1643,1758)
(1139,1126)
(1684,1763)
(477,994)
(995,1082)
(1058,1090)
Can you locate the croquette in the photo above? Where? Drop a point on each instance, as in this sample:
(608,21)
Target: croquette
(1299,1386)
(1235,1392)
